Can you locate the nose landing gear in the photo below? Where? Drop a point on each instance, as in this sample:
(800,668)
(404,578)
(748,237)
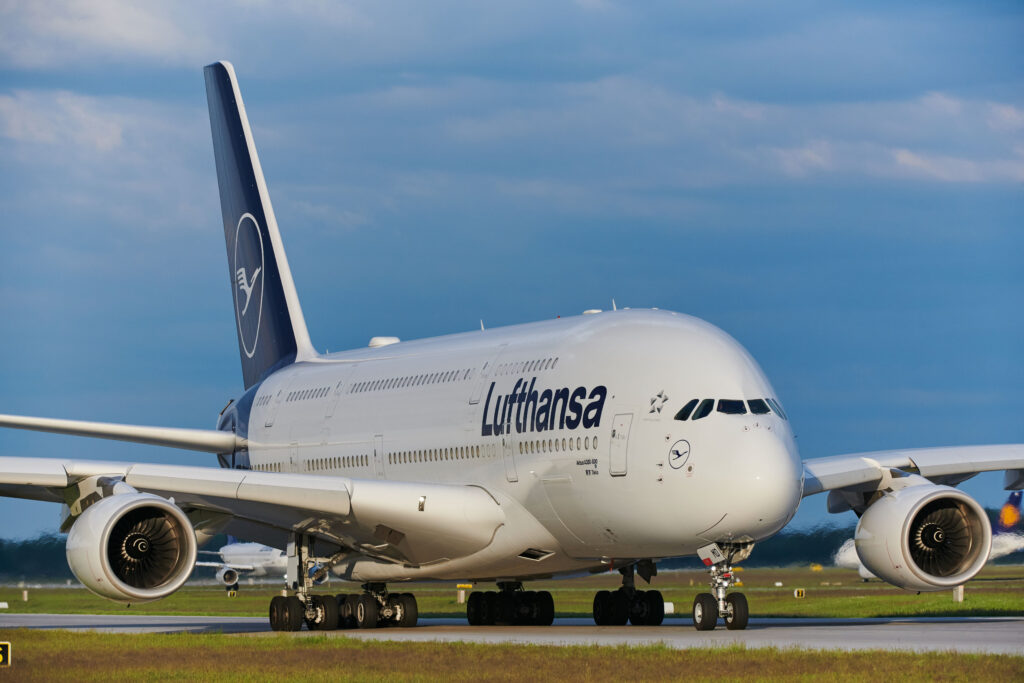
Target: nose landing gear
(731,607)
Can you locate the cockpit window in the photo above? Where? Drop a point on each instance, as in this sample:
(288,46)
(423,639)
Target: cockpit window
(704,409)
(777,408)
(732,407)
(758,406)
(684,412)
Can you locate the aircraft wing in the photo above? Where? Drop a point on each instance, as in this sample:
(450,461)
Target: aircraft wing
(414,523)
(949,465)
(237,567)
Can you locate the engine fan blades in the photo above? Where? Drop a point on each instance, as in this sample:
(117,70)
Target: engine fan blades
(144,547)
(940,538)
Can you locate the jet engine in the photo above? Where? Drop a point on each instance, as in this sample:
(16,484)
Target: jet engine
(924,537)
(227,576)
(132,547)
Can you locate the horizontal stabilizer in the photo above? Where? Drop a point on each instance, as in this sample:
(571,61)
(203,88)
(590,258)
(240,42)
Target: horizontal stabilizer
(205,440)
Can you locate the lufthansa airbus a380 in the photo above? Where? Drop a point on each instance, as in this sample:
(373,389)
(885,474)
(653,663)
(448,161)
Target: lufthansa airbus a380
(600,442)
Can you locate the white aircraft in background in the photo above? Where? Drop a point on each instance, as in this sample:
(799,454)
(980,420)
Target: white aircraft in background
(589,443)
(254,558)
(1004,541)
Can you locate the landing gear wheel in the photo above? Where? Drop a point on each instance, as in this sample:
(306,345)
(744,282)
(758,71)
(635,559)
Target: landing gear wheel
(325,610)
(737,614)
(655,608)
(294,614)
(526,608)
(346,615)
(366,611)
(475,609)
(545,614)
(638,609)
(602,608)
(277,613)
(489,613)
(618,613)
(506,612)
(705,612)
(408,612)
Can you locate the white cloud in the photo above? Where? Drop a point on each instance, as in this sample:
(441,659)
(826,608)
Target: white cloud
(40,34)
(1005,117)
(59,118)
(958,170)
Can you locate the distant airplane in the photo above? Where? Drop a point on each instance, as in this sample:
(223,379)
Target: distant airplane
(1004,539)
(254,558)
(605,441)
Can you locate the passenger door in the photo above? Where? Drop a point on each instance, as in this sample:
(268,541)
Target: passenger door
(619,446)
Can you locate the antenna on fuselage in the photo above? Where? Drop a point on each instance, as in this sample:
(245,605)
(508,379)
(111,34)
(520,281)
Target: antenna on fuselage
(481,324)
(614,308)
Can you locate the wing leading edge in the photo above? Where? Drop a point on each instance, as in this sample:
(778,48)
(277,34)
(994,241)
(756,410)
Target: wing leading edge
(948,465)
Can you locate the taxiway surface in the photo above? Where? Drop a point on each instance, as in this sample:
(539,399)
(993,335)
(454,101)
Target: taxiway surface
(961,634)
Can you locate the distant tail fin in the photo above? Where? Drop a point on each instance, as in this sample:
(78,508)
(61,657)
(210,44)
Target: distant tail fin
(1009,515)
(271,330)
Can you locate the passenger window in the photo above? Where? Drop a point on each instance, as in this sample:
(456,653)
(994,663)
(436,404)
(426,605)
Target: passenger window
(704,409)
(759,407)
(731,407)
(684,412)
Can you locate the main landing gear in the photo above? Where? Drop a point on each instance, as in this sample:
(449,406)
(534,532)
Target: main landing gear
(510,605)
(732,607)
(374,607)
(640,608)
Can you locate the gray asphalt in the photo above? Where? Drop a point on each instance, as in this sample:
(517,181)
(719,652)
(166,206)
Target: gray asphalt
(982,634)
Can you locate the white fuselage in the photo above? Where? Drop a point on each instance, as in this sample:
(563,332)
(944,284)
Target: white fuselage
(589,484)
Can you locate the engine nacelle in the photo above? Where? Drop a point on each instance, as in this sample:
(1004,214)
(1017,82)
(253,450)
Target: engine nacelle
(227,576)
(132,547)
(924,537)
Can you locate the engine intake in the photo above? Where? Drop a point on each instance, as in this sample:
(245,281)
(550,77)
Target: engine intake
(924,537)
(133,547)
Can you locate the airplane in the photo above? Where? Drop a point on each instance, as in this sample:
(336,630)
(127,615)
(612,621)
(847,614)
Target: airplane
(594,443)
(1004,540)
(236,558)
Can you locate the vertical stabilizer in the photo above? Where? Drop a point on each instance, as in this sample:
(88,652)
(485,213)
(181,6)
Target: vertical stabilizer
(271,330)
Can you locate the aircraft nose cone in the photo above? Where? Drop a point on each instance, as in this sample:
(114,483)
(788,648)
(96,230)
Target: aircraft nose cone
(766,481)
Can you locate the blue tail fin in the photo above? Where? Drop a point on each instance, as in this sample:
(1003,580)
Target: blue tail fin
(271,330)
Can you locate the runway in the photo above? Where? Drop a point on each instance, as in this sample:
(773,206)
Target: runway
(962,634)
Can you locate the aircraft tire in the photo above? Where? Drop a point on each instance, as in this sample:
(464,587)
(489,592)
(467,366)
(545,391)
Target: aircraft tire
(655,608)
(326,609)
(475,609)
(602,608)
(618,612)
(638,609)
(294,614)
(277,616)
(545,613)
(408,612)
(489,608)
(739,613)
(366,611)
(705,612)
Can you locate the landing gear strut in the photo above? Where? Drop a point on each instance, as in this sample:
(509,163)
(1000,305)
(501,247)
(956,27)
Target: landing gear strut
(640,608)
(374,607)
(731,607)
(510,605)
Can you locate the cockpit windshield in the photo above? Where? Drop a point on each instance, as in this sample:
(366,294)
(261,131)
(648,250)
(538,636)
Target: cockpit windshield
(696,409)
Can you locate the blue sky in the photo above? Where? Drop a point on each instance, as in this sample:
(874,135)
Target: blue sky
(838,187)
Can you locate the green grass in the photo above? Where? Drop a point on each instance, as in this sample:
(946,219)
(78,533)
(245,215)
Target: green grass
(998,591)
(49,655)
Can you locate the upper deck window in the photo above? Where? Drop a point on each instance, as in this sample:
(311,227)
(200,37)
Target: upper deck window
(732,407)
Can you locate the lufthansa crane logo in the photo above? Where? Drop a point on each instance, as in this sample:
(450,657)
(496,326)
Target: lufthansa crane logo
(248,270)
(679,454)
